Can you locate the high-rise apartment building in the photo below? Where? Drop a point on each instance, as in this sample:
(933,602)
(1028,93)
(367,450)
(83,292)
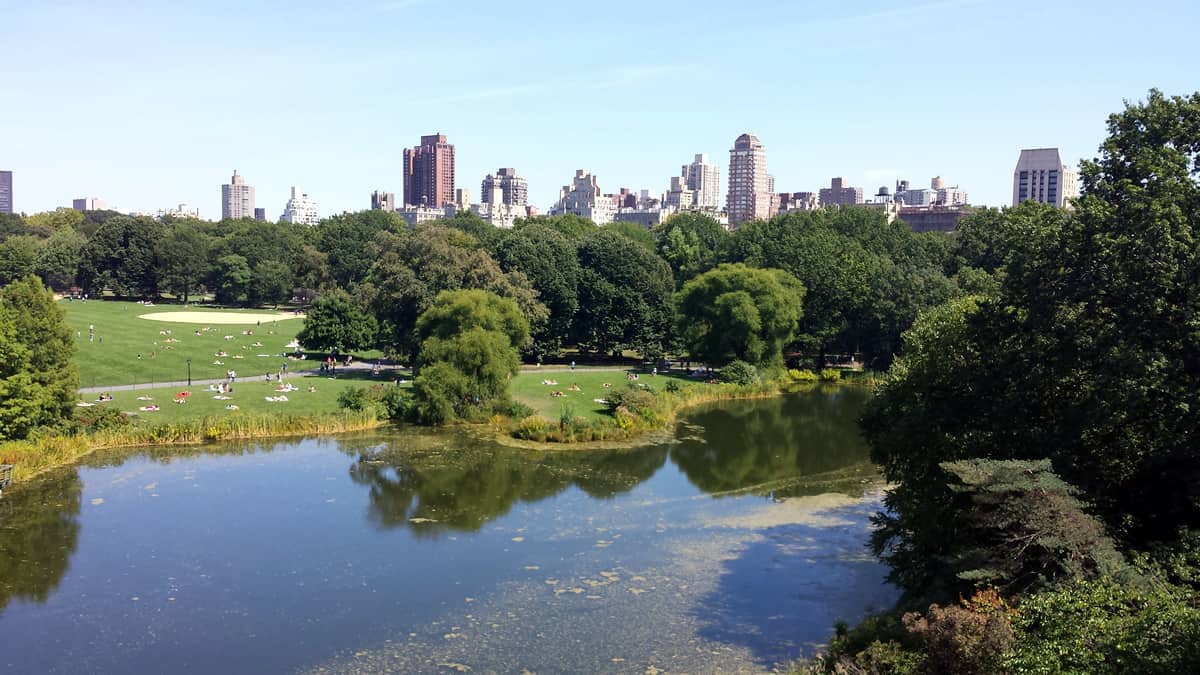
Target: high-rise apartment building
(237,198)
(584,199)
(300,209)
(88,204)
(840,194)
(1042,177)
(462,199)
(750,196)
(260,214)
(704,180)
(6,192)
(429,173)
(514,190)
(385,201)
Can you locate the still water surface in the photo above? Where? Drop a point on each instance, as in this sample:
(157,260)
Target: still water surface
(733,547)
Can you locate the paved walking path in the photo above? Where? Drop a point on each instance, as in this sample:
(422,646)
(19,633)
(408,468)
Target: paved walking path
(355,367)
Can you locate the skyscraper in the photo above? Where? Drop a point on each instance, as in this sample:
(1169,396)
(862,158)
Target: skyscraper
(385,201)
(749,195)
(237,198)
(6,195)
(260,214)
(429,172)
(514,190)
(300,209)
(704,180)
(1042,177)
(584,199)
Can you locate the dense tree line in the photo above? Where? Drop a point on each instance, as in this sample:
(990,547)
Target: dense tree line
(1042,433)
(605,289)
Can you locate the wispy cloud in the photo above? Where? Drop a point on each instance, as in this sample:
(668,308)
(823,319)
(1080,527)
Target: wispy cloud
(598,79)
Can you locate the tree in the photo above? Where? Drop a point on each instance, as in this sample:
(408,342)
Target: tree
(231,279)
(691,244)
(48,223)
(624,296)
(469,342)
(121,257)
(569,225)
(271,282)
(18,258)
(739,312)
(38,378)
(336,321)
(411,268)
(635,232)
(1088,354)
(183,259)
(58,260)
(346,241)
(548,259)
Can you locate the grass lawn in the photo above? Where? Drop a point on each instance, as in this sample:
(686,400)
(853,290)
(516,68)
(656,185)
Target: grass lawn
(112,358)
(527,388)
(249,396)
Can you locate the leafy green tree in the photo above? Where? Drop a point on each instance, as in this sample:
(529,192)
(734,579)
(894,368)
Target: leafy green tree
(38,378)
(335,321)
(548,259)
(346,239)
(635,232)
(121,257)
(410,269)
(232,278)
(183,259)
(1088,355)
(735,312)
(271,282)
(691,244)
(18,258)
(12,225)
(470,342)
(569,225)
(624,296)
(58,260)
(46,224)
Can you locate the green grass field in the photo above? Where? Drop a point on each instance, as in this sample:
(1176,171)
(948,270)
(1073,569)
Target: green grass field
(527,388)
(112,358)
(248,396)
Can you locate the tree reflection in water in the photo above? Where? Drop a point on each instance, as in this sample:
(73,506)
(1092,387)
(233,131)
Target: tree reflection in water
(39,530)
(462,486)
(738,445)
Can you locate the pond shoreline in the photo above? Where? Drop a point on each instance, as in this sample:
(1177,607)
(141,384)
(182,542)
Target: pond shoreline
(33,458)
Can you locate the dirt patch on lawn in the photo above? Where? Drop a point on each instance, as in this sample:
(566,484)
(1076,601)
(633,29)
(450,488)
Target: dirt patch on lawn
(222,318)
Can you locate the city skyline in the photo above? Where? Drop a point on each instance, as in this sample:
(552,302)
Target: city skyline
(910,97)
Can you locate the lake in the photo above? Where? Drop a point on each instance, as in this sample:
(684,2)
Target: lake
(731,547)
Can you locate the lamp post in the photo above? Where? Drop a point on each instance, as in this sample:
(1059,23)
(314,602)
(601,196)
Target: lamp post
(189,362)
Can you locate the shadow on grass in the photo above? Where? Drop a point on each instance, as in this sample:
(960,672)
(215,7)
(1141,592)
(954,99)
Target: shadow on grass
(781,595)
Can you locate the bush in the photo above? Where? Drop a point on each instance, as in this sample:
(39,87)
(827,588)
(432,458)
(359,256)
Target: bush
(514,409)
(830,375)
(636,401)
(382,401)
(739,372)
(802,375)
(533,428)
(97,418)
(672,387)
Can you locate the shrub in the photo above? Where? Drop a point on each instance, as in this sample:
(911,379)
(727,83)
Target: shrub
(533,428)
(739,372)
(514,409)
(802,375)
(636,401)
(98,418)
(382,401)
(672,387)
(830,375)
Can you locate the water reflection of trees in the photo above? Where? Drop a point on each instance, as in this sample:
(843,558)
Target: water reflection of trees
(39,530)
(744,444)
(464,485)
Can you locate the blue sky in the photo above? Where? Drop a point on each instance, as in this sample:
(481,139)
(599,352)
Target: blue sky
(150,104)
